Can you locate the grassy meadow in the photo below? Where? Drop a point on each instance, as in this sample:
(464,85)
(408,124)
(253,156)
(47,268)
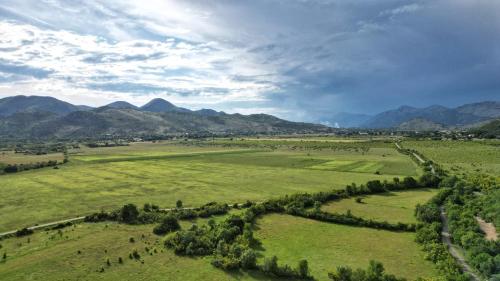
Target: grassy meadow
(461,156)
(55,256)
(9,157)
(327,245)
(162,173)
(222,170)
(393,207)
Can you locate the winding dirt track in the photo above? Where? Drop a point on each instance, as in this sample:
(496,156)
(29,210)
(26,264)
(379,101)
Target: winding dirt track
(445,236)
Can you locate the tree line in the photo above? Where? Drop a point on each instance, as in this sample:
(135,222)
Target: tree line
(14,168)
(229,243)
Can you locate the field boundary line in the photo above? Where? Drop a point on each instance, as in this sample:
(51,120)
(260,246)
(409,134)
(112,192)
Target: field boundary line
(81,218)
(173,156)
(49,224)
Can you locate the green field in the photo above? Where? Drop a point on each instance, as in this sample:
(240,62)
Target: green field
(198,172)
(393,207)
(106,178)
(51,256)
(9,157)
(461,156)
(327,246)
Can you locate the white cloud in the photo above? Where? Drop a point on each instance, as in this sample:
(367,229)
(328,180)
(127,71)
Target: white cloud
(410,8)
(190,73)
(298,58)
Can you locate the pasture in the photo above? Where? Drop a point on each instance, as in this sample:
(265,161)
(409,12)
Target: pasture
(82,251)
(10,157)
(393,207)
(461,156)
(327,246)
(196,173)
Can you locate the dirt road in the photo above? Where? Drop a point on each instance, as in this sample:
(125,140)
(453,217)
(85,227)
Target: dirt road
(445,236)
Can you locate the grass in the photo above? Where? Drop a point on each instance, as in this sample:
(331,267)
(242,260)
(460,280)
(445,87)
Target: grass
(196,173)
(106,178)
(393,207)
(51,256)
(462,156)
(10,157)
(327,246)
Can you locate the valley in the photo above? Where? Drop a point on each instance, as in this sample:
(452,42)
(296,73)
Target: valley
(223,170)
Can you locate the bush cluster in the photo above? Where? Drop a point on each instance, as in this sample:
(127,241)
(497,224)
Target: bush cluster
(428,234)
(14,168)
(462,207)
(375,272)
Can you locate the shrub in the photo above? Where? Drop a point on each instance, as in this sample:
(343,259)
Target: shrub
(24,232)
(168,224)
(270,265)
(129,213)
(409,182)
(249,259)
(135,254)
(375,272)
(303,269)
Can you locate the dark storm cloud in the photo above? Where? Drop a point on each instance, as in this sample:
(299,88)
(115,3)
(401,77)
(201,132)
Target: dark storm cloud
(306,60)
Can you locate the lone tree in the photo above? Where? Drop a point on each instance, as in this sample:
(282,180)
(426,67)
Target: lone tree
(178,204)
(129,213)
(303,269)
(168,224)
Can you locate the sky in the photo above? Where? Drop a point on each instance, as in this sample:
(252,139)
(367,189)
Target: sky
(297,59)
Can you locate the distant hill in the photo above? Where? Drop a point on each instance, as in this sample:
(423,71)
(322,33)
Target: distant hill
(489,109)
(158,117)
(420,124)
(122,105)
(15,104)
(208,112)
(490,130)
(462,116)
(161,105)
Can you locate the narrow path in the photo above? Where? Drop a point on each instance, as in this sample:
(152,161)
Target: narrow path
(81,218)
(445,235)
(35,227)
(420,159)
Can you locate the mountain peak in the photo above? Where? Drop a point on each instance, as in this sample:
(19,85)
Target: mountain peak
(121,105)
(158,105)
(21,103)
(406,108)
(161,105)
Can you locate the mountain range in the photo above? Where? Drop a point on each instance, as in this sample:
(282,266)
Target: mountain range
(47,117)
(434,117)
